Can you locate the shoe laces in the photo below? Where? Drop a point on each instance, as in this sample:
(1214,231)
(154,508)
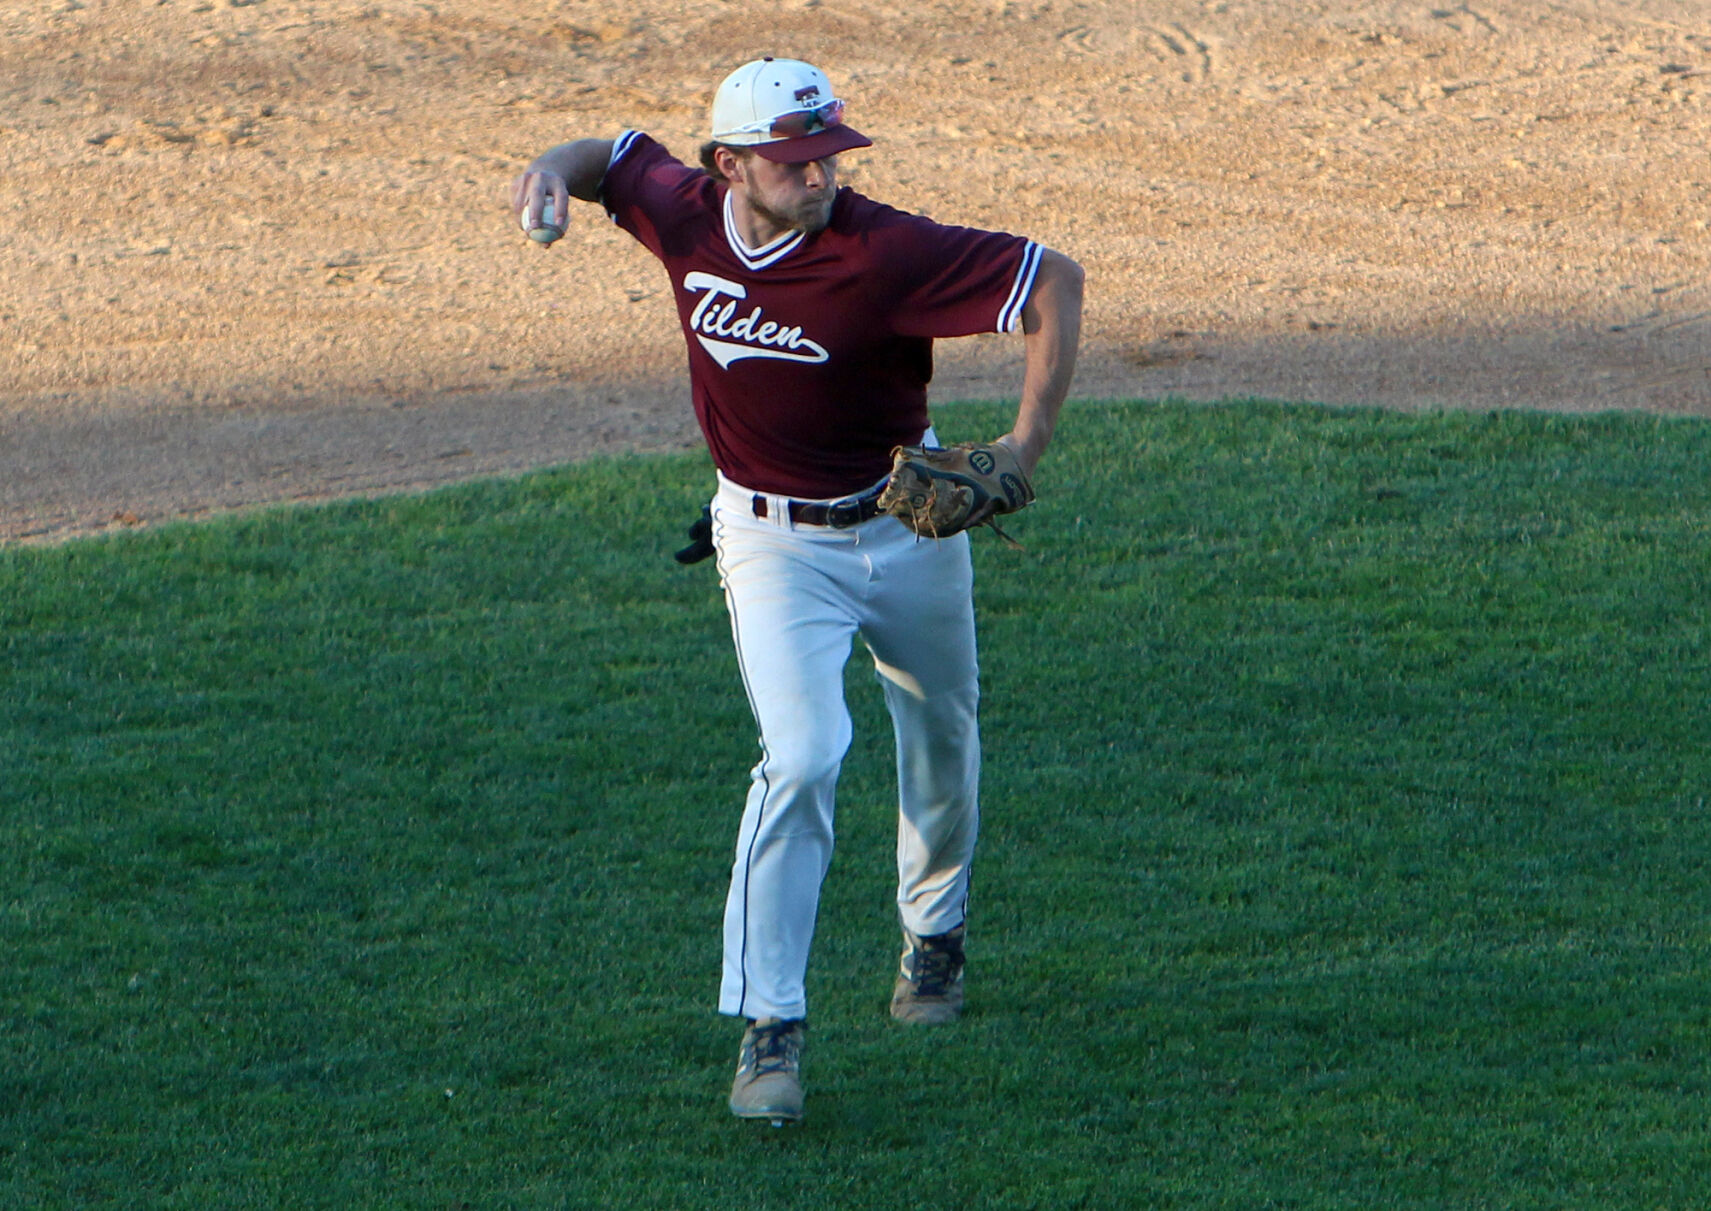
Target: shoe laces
(934,968)
(774,1047)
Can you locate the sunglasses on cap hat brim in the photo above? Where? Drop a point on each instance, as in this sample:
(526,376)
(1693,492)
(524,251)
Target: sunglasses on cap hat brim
(807,134)
(799,123)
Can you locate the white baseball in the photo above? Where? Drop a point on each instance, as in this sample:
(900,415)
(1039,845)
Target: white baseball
(548,229)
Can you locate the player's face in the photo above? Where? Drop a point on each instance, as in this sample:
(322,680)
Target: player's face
(791,197)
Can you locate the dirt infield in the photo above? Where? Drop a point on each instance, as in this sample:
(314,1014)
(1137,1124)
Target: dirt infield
(258,250)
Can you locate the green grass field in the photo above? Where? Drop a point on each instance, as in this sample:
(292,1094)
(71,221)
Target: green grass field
(1346,843)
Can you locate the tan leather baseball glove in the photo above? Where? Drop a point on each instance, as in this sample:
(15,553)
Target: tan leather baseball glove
(939,491)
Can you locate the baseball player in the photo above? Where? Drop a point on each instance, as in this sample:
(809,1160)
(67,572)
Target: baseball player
(809,312)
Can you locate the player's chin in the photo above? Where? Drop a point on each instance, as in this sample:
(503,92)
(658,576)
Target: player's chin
(814,217)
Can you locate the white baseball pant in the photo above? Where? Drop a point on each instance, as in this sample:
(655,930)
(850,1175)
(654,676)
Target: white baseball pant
(797,595)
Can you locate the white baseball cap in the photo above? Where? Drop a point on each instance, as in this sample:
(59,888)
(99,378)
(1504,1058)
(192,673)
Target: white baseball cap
(785,110)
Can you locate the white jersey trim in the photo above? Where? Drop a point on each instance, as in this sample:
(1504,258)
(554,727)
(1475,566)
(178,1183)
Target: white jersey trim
(767,254)
(1010,315)
(620,146)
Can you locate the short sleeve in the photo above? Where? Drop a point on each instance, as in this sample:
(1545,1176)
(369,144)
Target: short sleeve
(957,281)
(651,194)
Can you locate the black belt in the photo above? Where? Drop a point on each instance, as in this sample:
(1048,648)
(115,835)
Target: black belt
(838,514)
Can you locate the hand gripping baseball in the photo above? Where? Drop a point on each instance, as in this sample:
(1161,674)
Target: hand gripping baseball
(539,200)
(940,491)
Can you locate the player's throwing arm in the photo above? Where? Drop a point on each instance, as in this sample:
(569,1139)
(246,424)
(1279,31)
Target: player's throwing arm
(541,193)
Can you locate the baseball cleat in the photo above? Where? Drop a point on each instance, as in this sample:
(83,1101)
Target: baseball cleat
(929,985)
(768,1084)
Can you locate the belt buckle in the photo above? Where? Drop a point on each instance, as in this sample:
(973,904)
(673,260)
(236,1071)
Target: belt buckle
(842,514)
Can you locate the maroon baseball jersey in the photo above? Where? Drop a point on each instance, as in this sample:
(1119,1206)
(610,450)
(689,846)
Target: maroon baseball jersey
(809,358)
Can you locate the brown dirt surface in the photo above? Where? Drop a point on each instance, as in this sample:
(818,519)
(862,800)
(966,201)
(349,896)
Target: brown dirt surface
(259,251)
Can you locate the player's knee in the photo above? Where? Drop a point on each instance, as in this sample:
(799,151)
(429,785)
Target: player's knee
(803,765)
(803,773)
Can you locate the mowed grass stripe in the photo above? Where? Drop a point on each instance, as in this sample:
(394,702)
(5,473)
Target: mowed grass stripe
(1344,842)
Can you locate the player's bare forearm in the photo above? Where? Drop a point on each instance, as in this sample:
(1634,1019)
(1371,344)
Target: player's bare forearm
(1051,327)
(570,170)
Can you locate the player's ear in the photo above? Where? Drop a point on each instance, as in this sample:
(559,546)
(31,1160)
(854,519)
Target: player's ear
(732,167)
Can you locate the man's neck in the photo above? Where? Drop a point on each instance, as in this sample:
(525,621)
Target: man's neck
(757,229)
